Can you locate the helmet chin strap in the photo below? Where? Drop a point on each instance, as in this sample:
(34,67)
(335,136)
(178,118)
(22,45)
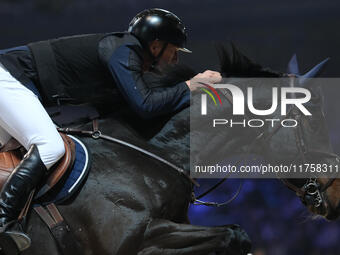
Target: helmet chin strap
(158,57)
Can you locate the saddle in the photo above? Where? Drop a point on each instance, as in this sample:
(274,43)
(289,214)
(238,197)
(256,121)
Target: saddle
(12,153)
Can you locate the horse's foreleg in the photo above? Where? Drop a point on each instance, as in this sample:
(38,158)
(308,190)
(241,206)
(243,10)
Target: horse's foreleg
(166,237)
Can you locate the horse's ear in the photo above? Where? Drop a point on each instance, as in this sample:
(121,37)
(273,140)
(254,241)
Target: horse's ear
(293,66)
(314,72)
(224,59)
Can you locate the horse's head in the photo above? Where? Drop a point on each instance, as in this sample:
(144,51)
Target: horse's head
(319,194)
(307,143)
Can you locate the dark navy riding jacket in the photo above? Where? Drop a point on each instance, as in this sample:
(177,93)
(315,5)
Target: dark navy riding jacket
(92,67)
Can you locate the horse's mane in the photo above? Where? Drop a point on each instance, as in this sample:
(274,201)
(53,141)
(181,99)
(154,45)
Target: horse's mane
(234,63)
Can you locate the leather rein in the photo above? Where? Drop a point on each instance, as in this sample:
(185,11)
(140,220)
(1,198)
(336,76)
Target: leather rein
(97,134)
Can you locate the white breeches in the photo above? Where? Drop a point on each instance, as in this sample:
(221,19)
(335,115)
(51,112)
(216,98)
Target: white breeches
(23,117)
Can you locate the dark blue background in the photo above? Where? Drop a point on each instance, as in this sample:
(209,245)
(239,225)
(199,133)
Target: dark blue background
(268,31)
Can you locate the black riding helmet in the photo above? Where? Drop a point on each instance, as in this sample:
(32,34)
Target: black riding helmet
(158,24)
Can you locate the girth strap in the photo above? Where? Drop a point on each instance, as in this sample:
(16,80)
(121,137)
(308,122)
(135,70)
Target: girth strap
(60,230)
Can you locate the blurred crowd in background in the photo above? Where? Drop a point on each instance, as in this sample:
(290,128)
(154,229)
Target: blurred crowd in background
(275,219)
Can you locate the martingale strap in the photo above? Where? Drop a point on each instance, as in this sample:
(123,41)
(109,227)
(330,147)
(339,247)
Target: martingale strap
(96,134)
(59,229)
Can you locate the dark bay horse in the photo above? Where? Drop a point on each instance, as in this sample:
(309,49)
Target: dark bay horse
(132,204)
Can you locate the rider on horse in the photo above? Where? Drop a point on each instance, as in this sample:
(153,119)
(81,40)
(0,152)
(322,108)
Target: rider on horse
(77,68)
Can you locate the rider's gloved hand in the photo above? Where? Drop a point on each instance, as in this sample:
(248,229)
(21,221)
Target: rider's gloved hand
(207,76)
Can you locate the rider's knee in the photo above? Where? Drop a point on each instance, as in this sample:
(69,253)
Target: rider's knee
(51,152)
(59,151)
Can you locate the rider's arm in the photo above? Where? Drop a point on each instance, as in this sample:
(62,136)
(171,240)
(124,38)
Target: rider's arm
(126,68)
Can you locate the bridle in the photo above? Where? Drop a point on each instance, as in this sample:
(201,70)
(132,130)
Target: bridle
(311,191)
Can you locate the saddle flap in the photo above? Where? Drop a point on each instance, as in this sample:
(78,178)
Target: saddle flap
(11,145)
(10,159)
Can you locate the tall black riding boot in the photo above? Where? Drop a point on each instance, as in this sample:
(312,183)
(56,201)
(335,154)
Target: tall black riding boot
(14,195)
